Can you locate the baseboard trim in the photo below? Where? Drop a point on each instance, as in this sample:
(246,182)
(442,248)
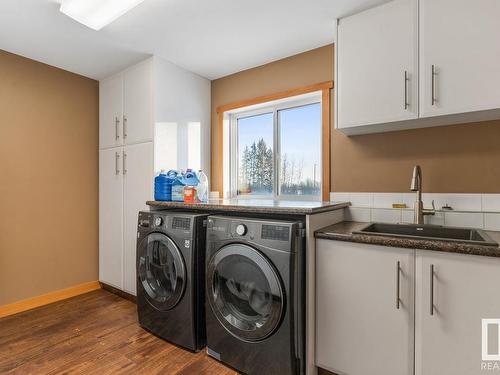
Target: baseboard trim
(119,292)
(45,299)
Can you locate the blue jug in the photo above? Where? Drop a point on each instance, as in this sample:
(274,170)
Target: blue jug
(163,185)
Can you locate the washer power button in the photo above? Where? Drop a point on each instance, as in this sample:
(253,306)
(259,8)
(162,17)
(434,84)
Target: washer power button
(241,229)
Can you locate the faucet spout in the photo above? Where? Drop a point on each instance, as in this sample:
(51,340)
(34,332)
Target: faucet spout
(416,180)
(416,185)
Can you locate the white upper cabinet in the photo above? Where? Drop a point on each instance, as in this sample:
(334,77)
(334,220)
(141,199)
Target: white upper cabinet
(377,77)
(450,308)
(460,38)
(449,50)
(126,106)
(138,103)
(111,112)
(364,308)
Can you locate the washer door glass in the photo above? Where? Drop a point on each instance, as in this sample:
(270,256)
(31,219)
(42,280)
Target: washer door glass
(161,271)
(245,292)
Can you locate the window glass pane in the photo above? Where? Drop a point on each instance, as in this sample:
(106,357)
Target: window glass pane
(300,142)
(255,155)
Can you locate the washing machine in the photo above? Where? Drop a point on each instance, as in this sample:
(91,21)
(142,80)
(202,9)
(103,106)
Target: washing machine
(170,276)
(255,290)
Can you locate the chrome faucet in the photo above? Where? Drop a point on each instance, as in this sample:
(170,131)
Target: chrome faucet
(416,185)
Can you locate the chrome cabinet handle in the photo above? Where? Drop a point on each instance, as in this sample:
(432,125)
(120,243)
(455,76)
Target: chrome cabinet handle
(117,125)
(433,84)
(431,291)
(398,277)
(117,158)
(124,162)
(406,104)
(124,126)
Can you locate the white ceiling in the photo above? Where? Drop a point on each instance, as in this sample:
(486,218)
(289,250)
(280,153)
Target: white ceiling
(213,38)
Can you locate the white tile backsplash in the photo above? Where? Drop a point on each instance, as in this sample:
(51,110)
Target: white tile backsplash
(464,219)
(436,219)
(469,210)
(340,197)
(383,215)
(385,200)
(459,202)
(408,199)
(492,221)
(361,199)
(358,214)
(407,216)
(490,202)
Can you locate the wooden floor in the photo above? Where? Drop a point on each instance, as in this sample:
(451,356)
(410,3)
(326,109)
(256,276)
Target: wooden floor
(95,333)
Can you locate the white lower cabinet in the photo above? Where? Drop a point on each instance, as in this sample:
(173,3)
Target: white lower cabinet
(464,290)
(125,184)
(360,329)
(111,217)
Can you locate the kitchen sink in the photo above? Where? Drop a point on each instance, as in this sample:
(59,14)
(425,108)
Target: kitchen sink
(429,232)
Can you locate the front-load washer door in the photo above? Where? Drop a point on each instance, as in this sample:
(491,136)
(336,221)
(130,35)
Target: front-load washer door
(161,271)
(245,292)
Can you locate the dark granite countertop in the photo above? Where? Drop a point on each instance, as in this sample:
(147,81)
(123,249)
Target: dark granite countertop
(261,206)
(343,232)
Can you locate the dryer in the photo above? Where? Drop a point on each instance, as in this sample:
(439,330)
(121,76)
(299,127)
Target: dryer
(170,276)
(255,294)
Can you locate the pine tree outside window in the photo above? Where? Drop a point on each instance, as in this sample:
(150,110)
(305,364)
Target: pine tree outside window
(276,150)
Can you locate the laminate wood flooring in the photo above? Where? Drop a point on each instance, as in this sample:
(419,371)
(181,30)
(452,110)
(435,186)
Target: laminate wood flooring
(94,333)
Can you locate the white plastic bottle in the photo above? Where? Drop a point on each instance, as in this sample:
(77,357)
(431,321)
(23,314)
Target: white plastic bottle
(202,188)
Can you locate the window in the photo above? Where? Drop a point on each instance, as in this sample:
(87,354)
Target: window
(276,149)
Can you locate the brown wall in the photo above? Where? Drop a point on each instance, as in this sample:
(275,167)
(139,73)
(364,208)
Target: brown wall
(48,178)
(460,158)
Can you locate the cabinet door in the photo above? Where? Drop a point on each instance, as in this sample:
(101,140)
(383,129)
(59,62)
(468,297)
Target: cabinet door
(138,188)
(460,38)
(138,103)
(359,328)
(111,217)
(111,111)
(377,77)
(464,291)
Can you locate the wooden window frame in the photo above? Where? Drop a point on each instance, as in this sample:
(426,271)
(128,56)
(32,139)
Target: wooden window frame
(326,104)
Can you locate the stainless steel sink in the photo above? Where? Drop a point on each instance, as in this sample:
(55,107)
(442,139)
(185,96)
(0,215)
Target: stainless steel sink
(429,232)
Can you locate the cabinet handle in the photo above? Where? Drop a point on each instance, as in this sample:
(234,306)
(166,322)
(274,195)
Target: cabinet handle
(431,291)
(117,124)
(398,277)
(124,126)
(124,162)
(433,84)
(406,104)
(117,158)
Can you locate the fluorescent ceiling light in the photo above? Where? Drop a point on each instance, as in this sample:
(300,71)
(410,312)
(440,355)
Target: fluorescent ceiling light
(97,13)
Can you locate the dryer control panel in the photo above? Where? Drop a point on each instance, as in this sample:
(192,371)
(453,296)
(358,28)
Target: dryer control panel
(277,234)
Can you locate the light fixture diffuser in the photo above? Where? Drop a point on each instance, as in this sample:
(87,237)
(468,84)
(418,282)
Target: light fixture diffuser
(97,13)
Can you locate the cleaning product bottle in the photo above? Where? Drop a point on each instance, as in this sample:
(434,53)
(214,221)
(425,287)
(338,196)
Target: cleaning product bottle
(190,178)
(202,190)
(178,188)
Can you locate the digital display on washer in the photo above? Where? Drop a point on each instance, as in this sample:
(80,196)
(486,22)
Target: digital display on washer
(275,232)
(181,223)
